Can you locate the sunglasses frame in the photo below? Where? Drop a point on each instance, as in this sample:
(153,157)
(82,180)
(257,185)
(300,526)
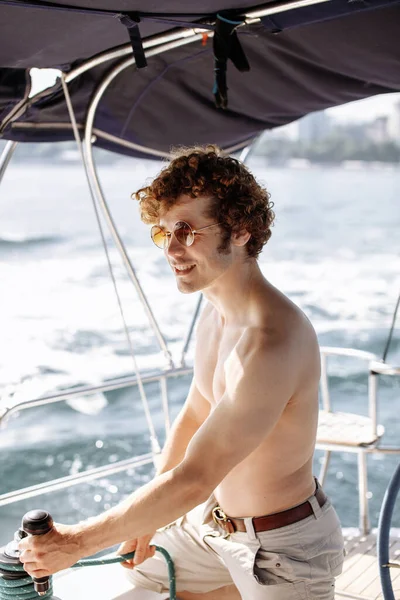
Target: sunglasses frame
(168,234)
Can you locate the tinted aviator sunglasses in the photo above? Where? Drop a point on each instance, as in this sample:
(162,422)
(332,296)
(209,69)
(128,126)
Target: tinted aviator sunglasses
(181,230)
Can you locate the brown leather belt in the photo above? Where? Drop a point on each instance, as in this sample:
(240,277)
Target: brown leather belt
(268,522)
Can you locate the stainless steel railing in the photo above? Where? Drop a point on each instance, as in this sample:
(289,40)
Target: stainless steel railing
(65,482)
(375,368)
(115,384)
(105,470)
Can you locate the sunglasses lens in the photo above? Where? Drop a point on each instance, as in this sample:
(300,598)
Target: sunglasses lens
(184,233)
(158,236)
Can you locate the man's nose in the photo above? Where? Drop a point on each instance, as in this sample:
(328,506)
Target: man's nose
(174,247)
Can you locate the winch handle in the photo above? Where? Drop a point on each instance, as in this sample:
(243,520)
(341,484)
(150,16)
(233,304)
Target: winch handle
(38,522)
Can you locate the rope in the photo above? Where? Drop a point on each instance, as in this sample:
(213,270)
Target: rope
(22,589)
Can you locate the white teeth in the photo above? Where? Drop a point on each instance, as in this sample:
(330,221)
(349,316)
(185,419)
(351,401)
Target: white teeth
(185,268)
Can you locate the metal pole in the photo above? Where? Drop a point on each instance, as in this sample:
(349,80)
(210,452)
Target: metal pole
(164,398)
(96,191)
(190,332)
(6,156)
(372,397)
(115,384)
(324,467)
(362,491)
(274,8)
(127,50)
(96,183)
(247,150)
(326,401)
(153,436)
(69,480)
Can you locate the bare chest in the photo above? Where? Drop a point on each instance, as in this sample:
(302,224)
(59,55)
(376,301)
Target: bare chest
(215,358)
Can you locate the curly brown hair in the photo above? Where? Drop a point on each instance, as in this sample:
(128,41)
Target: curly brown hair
(240,203)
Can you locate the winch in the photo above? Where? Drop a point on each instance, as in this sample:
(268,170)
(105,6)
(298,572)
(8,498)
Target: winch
(14,580)
(16,584)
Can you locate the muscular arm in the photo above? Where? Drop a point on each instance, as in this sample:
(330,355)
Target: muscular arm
(192,415)
(260,380)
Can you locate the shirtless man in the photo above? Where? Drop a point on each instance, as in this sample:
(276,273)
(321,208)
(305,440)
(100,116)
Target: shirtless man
(234,501)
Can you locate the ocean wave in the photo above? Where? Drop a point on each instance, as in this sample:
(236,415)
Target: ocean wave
(25,241)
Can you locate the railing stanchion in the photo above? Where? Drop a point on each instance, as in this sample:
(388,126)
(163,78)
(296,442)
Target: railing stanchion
(362,491)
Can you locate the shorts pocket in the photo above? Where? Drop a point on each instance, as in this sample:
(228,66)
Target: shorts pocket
(270,568)
(273,569)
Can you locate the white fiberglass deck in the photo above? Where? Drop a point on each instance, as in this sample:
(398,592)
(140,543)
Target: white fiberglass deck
(359,580)
(106,582)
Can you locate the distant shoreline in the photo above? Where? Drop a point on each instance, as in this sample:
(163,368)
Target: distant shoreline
(262,161)
(65,154)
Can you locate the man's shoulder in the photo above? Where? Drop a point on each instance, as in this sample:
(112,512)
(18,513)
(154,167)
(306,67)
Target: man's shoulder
(261,341)
(281,326)
(285,340)
(285,321)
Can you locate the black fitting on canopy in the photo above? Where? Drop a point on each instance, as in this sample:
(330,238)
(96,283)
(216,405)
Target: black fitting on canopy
(131,22)
(226,45)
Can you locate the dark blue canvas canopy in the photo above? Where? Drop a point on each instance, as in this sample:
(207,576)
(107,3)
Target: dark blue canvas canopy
(300,60)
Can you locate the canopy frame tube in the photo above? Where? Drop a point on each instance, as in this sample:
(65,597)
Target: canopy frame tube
(96,189)
(6,157)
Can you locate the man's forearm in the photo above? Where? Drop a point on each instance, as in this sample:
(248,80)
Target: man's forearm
(171,494)
(177,442)
(154,505)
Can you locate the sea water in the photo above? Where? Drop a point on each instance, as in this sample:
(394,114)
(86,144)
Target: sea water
(334,251)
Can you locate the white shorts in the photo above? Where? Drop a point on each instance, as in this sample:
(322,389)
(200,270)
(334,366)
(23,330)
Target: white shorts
(298,561)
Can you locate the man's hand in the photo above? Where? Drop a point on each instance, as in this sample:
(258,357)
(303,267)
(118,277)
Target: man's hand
(44,555)
(141,548)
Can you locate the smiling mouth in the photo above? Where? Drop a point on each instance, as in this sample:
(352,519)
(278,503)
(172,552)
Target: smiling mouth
(183,269)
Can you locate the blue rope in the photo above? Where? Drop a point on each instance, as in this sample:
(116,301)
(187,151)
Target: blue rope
(22,589)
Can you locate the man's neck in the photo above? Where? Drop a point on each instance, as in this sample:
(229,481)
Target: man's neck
(232,294)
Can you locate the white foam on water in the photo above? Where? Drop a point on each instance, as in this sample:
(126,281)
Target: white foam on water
(88,405)
(57,314)
(60,321)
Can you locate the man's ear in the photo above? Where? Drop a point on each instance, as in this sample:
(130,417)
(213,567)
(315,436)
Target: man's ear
(240,238)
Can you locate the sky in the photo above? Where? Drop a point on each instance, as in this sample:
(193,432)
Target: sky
(362,110)
(365,110)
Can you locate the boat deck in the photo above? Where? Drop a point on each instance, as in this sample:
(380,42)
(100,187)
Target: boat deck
(360,577)
(359,580)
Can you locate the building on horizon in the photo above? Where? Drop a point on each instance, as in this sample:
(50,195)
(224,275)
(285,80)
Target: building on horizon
(378,131)
(314,127)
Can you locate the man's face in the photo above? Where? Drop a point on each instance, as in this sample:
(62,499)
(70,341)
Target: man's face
(200,265)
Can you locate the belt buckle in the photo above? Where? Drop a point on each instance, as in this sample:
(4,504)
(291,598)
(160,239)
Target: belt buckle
(221,519)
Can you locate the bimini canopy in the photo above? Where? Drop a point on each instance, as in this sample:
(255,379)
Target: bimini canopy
(184,72)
